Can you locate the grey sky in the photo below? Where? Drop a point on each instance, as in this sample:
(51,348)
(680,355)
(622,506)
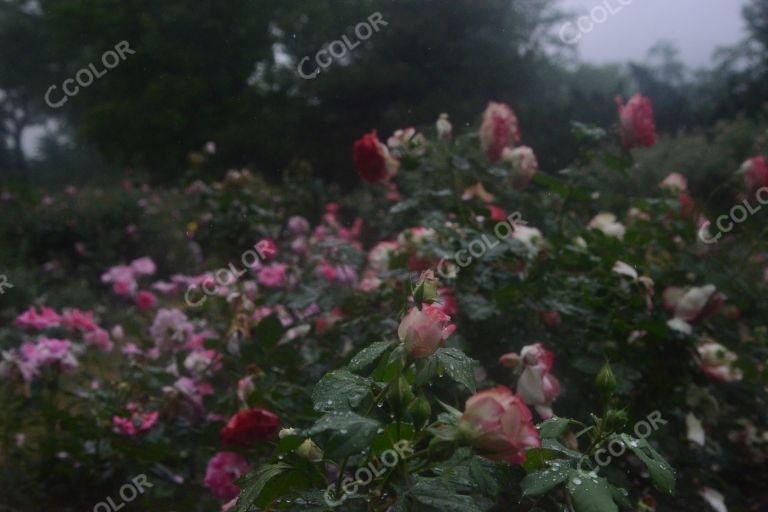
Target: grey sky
(696,26)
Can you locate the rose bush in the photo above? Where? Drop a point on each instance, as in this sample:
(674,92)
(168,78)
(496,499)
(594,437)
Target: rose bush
(409,315)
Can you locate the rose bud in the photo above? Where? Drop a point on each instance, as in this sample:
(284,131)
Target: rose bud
(499,425)
(510,360)
(605,380)
(419,411)
(426,288)
(248,427)
(310,451)
(424,331)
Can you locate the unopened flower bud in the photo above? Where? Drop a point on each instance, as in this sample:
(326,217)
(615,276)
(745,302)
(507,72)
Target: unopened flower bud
(419,411)
(310,451)
(606,380)
(399,395)
(426,288)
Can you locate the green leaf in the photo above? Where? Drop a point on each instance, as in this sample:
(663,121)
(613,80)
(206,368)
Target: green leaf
(662,474)
(551,444)
(483,477)
(553,428)
(620,497)
(350,433)
(269,331)
(590,493)
(540,482)
(458,366)
(340,391)
(369,355)
(439,495)
(269,482)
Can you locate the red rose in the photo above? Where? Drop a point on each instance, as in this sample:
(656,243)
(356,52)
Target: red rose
(372,158)
(638,128)
(248,427)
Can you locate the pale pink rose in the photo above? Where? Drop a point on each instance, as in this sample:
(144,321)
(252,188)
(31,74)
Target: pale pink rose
(522,165)
(607,223)
(145,300)
(424,331)
(755,172)
(675,183)
(478,191)
(498,130)
(143,266)
(536,385)
(99,338)
(444,127)
(298,225)
(170,330)
(324,323)
(400,138)
(638,128)
(499,425)
(380,254)
(531,238)
(718,362)
(692,304)
(272,276)
(31,319)
(49,352)
(245,387)
(122,278)
(369,282)
(222,472)
(201,363)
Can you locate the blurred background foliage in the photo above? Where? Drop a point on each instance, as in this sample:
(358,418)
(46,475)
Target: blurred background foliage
(226,72)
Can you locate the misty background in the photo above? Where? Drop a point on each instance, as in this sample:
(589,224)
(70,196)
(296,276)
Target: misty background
(227,73)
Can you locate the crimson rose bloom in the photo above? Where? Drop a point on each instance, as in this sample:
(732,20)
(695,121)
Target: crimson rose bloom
(371,158)
(638,128)
(248,427)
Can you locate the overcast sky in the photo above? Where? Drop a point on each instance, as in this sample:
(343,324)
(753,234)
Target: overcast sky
(696,26)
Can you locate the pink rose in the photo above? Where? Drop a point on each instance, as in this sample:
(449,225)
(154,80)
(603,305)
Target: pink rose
(266,249)
(536,385)
(498,130)
(33,320)
(145,300)
(638,128)
(76,320)
(272,276)
(222,472)
(424,331)
(499,425)
(99,338)
(143,266)
(755,171)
